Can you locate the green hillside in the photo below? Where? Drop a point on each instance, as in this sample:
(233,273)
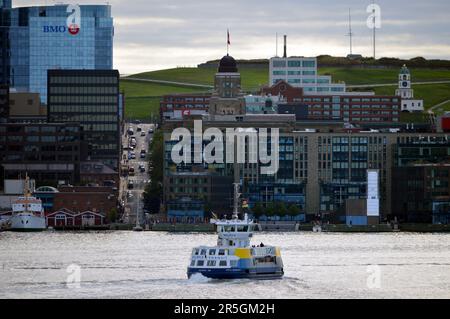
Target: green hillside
(142,99)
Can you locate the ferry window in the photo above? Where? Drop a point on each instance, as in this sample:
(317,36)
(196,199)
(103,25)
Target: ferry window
(221,252)
(223,263)
(200,263)
(233,263)
(212,252)
(193,263)
(229,229)
(203,253)
(211,263)
(196,251)
(243,229)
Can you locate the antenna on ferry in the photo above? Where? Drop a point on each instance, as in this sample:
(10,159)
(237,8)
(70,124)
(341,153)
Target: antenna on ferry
(236,201)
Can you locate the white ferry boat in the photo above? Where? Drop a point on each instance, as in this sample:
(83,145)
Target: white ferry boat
(234,257)
(28,212)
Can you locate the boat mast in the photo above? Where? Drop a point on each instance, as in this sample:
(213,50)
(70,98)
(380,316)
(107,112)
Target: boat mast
(236,201)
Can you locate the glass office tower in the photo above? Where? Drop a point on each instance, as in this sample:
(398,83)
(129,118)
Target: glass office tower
(40,40)
(91,98)
(5,21)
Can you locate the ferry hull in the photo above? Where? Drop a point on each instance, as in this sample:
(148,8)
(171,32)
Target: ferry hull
(236,273)
(27,223)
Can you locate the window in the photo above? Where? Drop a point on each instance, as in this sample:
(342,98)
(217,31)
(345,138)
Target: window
(200,263)
(223,263)
(211,263)
(212,252)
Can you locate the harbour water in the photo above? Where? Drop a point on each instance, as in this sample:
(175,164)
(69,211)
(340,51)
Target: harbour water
(153,265)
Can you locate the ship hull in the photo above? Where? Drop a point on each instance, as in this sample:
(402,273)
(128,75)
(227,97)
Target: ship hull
(237,273)
(27,223)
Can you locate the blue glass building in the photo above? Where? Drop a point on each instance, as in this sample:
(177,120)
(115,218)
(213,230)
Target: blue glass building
(40,40)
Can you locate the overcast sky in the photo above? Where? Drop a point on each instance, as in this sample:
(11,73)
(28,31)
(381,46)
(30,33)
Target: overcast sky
(156,34)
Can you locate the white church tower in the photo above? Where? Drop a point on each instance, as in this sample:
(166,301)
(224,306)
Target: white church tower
(406,92)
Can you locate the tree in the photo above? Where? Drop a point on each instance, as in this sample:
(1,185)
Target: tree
(293,210)
(270,210)
(258,210)
(154,190)
(112,215)
(281,209)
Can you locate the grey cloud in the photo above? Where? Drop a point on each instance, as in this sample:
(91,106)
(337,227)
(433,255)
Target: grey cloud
(180,32)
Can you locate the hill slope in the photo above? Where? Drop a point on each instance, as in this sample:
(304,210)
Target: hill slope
(142,99)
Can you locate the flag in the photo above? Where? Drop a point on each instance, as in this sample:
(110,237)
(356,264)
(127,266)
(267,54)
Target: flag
(228,37)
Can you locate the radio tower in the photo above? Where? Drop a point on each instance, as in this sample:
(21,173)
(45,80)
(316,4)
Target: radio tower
(350,33)
(374,30)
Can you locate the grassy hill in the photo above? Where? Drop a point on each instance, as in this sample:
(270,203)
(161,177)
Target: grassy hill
(142,99)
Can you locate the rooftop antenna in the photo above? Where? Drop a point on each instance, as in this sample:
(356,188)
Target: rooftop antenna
(285,47)
(276,45)
(350,33)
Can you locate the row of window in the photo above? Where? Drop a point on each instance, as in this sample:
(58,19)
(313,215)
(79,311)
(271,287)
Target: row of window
(83,80)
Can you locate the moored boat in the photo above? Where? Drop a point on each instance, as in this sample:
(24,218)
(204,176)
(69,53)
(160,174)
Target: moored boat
(28,212)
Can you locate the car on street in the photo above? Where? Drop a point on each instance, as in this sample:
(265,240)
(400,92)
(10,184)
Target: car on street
(143,153)
(143,133)
(150,131)
(142,168)
(130,185)
(132,155)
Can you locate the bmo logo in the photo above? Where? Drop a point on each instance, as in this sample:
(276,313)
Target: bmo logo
(73,22)
(54,29)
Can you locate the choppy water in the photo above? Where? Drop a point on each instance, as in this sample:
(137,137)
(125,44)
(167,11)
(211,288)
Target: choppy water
(153,265)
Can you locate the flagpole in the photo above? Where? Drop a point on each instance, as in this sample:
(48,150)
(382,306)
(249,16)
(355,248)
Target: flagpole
(228,41)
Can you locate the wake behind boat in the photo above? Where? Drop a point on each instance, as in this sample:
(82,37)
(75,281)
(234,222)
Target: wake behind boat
(233,257)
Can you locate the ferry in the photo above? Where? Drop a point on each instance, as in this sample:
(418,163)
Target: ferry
(234,257)
(28,212)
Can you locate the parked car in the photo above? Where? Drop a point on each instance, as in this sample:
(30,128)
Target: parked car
(131,171)
(132,155)
(139,129)
(130,185)
(143,133)
(142,168)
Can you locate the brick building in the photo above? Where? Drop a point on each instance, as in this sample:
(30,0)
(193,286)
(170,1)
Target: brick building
(80,199)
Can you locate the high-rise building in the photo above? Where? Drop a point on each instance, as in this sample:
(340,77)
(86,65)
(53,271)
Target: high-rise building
(91,98)
(40,40)
(5,22)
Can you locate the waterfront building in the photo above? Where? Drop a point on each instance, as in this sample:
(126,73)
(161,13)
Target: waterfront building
(48,152)
(98,199)
(421,176)
(68,219)
(40,40)
(91,98)
(405,91)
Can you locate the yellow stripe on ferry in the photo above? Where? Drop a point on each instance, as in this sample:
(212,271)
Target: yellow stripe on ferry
(243,253)
(278,252)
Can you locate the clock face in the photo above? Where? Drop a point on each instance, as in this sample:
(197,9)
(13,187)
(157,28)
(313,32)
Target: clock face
(405,84)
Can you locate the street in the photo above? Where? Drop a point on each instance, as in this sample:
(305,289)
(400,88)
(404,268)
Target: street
(133,185)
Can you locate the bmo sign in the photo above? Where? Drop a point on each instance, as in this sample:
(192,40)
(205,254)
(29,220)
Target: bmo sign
(54,29)
(73,22)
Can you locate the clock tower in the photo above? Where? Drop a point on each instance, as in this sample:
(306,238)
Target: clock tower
(406,93)
(405,90)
